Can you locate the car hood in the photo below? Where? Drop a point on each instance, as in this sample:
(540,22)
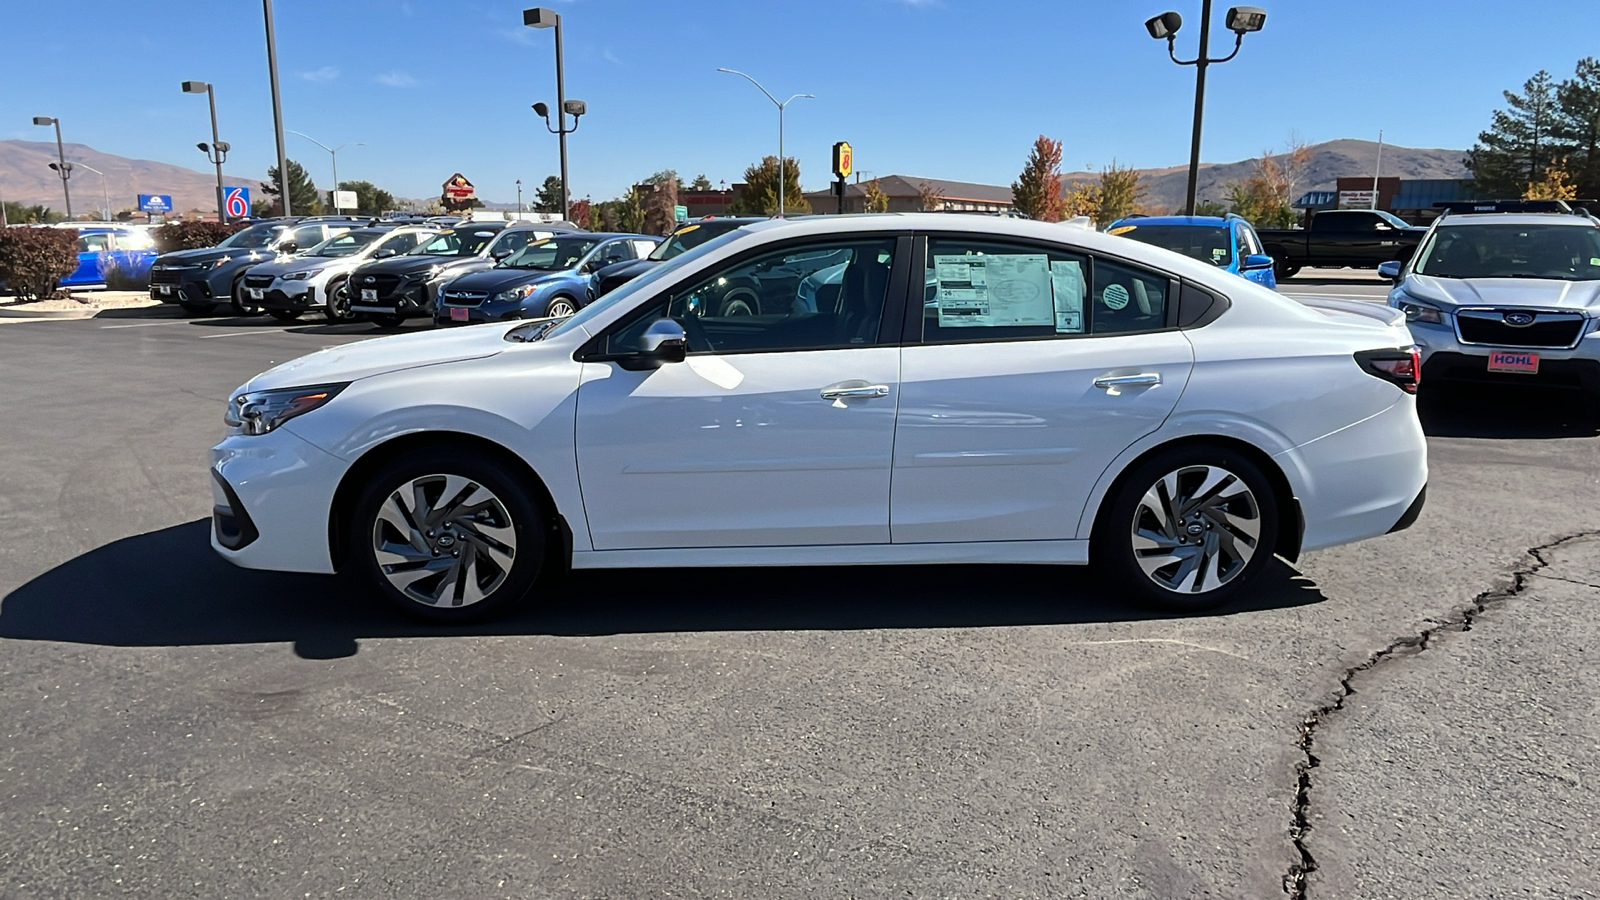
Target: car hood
(201,255)
(493,280)
(286,264)
(1501,292)
(363,359)
(628,268)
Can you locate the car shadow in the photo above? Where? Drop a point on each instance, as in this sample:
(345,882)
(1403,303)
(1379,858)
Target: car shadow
(168,588)
(1365,277)
(1507,412)
(164,311)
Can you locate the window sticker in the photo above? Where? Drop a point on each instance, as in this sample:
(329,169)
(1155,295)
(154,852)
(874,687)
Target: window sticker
(1115,296)
(994,291)
(1122,229)
(1066,279)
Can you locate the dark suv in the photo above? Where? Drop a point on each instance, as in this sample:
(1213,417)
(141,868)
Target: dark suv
(198,280)
(685,237)
(391,290)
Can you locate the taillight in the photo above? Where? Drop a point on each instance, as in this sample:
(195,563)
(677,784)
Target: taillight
(1401,366)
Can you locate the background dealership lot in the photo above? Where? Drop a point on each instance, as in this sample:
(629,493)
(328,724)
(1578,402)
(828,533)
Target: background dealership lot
(172,726)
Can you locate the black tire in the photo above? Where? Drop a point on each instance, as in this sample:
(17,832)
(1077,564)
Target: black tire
(388,320)
(478,566)
(237,301)
(198,309)
(556,304)
(1213,530)
(1281,268)
(337,306)
(284,315)
(739,301)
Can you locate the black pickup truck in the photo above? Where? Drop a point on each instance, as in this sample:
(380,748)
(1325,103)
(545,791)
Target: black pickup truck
(1359,238)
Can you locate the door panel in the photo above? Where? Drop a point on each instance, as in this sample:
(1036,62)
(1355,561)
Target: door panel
(1004,441)
(738,450)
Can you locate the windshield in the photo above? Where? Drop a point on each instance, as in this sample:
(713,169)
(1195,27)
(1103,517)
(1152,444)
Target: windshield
(1207,243)
(253,238)
(550,254)
(1393,219)
(686,238)
(348,244)
(1566,252)
(625,293)
(466,242)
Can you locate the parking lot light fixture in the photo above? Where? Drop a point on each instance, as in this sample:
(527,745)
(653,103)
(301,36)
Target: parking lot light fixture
(61,166)
(543,17)
(782,184)
(1241,20)
(217,153)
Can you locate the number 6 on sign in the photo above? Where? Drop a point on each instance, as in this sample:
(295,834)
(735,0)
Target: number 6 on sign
(236,202)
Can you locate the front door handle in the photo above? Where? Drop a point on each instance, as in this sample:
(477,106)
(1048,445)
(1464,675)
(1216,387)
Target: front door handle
(854,390)
(1139,380)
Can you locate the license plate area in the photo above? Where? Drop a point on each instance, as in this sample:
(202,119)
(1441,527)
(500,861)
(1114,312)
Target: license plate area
(256,293)
(1514,362)
(459,314)
(369,293)
(164,289)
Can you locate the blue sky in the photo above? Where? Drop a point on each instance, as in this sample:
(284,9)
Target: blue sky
(937,88)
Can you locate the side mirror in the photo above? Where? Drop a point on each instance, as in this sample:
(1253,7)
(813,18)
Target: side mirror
(1382,226)
(384,253)
(663,342)
(499,253)
(1255,261)
(1390,270)
(288,247)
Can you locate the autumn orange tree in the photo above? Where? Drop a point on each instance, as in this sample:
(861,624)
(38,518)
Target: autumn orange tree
(1037,191)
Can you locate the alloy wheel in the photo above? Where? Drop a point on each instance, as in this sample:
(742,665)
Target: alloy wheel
(444,540)
(339,302)
(1196,529)
(560,308)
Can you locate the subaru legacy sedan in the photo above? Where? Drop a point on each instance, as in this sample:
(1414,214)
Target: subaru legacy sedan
(1066,397)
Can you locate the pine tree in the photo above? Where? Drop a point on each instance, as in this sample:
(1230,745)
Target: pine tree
(1037,191)
(1520,143)
(1578,126)
(548,197)
(700,183)
(304,199)
(760,196)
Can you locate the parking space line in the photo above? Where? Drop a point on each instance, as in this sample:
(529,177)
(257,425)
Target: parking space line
(148,324)
(207,337)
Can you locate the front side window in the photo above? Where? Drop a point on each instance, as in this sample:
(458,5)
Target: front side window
(1249,243)
(812,297)
(550,254)
(400,243)
(307,236)
(462,242)
(94,243)
(253,238)
(347,244)
(1564,252)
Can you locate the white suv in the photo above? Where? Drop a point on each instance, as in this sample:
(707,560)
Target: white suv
(318,278)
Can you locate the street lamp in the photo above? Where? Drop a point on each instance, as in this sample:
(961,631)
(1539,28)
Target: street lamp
(541,17)
(1241,21)
(104,193)
(519,198)
(333,152)
(782,184)
(217,152)
(62,167)
(277,109)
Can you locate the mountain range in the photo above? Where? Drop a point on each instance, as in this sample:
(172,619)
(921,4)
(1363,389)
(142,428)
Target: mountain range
(25,175)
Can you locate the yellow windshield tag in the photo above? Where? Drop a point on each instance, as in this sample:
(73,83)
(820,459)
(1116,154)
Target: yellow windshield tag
(686,229)
(1122,229)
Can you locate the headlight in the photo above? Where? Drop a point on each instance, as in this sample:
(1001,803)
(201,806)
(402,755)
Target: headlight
(258,412)
(1593,328)
(430,273)
(1421,312)
(212,264)
(302,276)
(516,293)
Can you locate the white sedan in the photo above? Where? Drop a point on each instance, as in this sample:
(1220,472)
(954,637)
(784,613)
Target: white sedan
(967,390)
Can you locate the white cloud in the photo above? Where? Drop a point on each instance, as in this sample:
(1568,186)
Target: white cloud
(396,79)
(326,73)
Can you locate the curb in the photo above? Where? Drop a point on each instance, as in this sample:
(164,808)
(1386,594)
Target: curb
(49,313)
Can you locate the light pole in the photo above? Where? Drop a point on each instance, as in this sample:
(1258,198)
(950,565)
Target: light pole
(333,152)
(519,198)
(542,17)
(277,109)
(1241,21)
(217,152)
(783,185)
(105,194)
(62,167)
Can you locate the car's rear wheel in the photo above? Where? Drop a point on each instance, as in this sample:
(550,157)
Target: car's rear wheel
(284,315)
(448,535)
(1187,529)
(561,307)
(740,301)
(1282,270)
(337,307)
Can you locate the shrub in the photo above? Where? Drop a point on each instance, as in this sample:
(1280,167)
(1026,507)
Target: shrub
(34,260)
(193,235)
(119,280)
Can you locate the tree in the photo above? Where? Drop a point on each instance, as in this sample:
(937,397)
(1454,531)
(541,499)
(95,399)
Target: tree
(579,213)
(303,195)
(1520,143)
(666,175)
(548,197)
(1264,196)
(17,214)
(929,198)
(1578,125)
(1037,191)
(1205,208)
(1554,186)
(659,197)
(370,199)
(760,195)
(701,183)
(1119,193)
(875,201)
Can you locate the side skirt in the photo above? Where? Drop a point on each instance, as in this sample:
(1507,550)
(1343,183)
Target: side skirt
(1045,552)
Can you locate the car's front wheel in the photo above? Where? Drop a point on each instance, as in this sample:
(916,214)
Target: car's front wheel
(337,307)
(1187,528)
(448,535)
(560,307)
(241,305)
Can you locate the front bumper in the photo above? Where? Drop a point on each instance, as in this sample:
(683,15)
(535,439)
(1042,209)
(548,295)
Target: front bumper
(271,497)
(291,295)
(189,287)
(409,299)
(1445,357)
(508,311)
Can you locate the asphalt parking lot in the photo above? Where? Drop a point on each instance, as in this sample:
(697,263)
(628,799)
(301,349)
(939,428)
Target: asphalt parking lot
(1407,717)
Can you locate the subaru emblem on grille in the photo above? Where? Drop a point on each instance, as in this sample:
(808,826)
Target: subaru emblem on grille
(1518,319)
(371,280)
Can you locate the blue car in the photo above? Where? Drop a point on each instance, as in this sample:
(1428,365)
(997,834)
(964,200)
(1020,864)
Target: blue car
(106,249)
(1227,242)
(546,278)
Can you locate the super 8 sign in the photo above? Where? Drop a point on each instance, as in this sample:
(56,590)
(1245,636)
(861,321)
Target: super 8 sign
(236,202)
(842,159)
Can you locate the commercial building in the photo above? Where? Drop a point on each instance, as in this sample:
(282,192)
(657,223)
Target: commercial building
(909,193)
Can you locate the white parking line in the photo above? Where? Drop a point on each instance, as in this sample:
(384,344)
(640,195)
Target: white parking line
(207,337)
(148,324)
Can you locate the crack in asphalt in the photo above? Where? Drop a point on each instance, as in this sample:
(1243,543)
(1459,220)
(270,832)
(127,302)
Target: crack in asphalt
(1462,619)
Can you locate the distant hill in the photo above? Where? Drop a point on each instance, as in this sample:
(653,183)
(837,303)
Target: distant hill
(26,177)
(1329,161)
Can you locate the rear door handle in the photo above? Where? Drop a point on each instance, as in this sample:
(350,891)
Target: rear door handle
(854,390)
(1116,381)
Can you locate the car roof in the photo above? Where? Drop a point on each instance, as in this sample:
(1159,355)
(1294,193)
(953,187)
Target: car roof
(1208,221)
(1549,218)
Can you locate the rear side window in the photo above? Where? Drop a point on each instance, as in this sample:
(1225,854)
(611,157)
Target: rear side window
(1127,299)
